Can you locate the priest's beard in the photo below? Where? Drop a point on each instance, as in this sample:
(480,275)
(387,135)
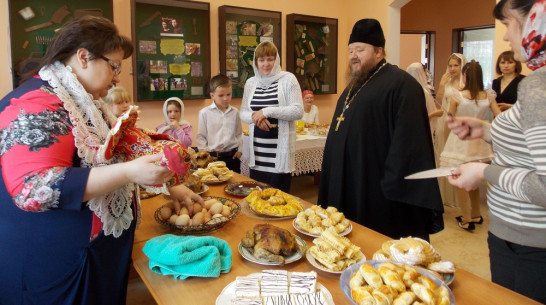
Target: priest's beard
(357,78)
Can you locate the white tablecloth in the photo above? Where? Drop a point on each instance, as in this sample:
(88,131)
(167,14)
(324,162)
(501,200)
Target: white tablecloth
(309,152)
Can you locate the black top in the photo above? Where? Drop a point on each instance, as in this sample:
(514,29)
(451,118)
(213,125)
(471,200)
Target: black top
(385,137)
(510,93)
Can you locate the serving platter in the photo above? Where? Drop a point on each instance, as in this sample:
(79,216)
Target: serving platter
(228,293)
(244,188)
(346,275)
(302,231)
(248,254)
(311,259)
(248,211)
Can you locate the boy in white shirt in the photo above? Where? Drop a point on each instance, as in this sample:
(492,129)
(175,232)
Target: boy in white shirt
(219,131)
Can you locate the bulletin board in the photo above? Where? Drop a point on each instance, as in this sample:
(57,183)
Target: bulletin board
(241,30)
(33,24)
(311,52)
(172,46)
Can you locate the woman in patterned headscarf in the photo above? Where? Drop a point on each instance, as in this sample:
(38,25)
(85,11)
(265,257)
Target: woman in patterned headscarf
(517,175)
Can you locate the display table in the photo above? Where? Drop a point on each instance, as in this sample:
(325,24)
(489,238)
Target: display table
(467,287)
(309,152)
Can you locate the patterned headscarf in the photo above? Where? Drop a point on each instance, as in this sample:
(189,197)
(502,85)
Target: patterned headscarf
(534,36)
(307,92)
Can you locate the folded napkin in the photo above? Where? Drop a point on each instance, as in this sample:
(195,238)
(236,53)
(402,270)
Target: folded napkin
(185,256)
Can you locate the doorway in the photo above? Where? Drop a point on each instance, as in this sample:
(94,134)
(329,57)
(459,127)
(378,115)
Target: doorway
(477,43)
(417,46)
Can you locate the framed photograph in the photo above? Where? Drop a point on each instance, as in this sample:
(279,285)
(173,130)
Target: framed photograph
(33,23)
(173,49)
(311,52)
(241,30)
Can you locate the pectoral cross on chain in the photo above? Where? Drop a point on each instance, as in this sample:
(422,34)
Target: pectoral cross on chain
(339,120)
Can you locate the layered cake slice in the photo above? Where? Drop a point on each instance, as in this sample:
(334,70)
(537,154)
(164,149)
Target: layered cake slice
(284,299)
(316,298)
(274,282)
(247,287)
(302,282)
(246,301)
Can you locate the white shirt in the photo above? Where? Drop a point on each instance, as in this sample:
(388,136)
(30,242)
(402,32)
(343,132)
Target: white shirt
(311,116)
(219,131)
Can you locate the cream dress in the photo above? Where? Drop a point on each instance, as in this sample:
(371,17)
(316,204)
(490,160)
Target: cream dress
(449,196)
(457,150)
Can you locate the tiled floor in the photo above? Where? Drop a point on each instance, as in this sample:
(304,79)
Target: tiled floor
(468,250)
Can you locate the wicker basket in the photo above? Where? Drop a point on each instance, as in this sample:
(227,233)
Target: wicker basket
(213,224)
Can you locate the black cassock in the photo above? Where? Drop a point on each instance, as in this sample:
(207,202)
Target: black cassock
(385,136)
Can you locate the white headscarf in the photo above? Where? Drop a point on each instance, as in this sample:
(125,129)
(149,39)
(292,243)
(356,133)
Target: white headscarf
(167,120)
(416,70)
(463,62)
(276,72)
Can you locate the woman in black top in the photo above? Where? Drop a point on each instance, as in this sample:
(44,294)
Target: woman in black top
(506,86)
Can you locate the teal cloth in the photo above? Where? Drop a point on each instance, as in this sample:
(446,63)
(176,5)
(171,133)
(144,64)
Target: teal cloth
(185,256)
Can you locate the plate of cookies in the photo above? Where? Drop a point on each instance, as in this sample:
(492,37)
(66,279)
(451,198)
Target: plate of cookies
(215,173)
(316,219)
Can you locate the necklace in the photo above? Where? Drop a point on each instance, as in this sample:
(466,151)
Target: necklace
(348,101)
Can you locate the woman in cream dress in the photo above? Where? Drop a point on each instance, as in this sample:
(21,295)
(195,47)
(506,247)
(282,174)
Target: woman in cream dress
(450,83)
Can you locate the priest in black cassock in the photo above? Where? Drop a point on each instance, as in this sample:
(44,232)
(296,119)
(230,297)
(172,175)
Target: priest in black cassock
(379,134)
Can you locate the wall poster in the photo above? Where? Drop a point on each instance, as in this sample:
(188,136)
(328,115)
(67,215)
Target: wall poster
(241,30)
(172,40)
(311,52)
(33,24)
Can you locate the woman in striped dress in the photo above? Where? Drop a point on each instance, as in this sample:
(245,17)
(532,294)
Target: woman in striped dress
(517,175)
(271,103)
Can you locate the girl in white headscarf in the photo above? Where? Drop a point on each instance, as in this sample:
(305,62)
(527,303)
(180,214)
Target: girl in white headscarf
(175,125)
(450,84)
(271,103)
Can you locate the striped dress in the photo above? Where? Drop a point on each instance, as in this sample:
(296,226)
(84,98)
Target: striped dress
(517,176)
(265,142)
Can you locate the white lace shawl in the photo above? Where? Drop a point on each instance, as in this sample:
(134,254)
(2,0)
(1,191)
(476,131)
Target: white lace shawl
(90,130)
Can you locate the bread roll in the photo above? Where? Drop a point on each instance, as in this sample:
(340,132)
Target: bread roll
(422,293)
(372,276)
(405,298)
(362,296)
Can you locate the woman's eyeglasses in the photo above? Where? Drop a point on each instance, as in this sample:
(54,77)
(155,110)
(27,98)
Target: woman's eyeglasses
(115,67)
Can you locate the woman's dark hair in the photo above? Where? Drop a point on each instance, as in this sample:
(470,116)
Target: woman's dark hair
(522,6)
(96,34)
(507,56)
(175,104)
(474,78)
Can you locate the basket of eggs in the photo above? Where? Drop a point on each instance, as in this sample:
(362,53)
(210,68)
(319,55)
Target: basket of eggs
(216,213)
